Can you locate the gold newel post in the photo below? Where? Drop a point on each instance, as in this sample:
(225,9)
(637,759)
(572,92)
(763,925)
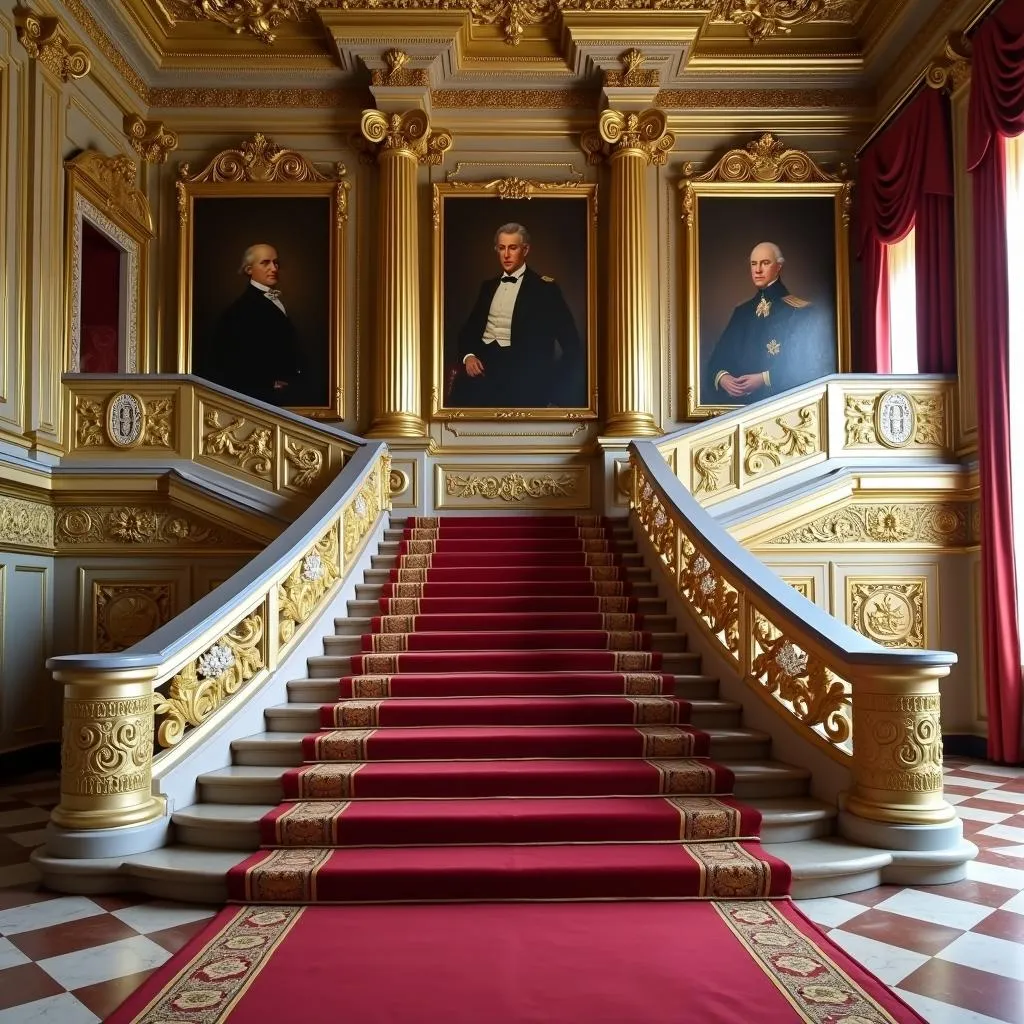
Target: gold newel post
(897,747)
(635,141)
(403,142)
(107,750)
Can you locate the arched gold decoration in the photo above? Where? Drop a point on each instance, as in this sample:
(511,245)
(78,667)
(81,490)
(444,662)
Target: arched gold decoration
(764,18)
(257,159)
(114,191)
(261,18)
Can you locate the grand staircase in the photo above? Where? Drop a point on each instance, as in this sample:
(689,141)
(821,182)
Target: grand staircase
(517,717)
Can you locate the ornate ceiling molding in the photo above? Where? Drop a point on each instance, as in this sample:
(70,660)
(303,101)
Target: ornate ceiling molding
(760,18)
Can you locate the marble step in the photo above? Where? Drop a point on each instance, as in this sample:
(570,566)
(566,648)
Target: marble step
(296,716)
(236,826)
(336,664)
(822,867)
(285,748)
(324,689)
(352,643)
(261,784)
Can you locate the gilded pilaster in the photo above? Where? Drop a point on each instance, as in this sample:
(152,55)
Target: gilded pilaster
(403,142)
(633,142)
(54,60)
(107,750)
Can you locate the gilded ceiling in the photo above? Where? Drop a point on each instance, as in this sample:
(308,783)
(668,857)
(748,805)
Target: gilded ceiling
(849,54)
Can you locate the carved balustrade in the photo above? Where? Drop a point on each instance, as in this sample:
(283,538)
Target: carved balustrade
(163,417)
(131,714)
(873,709)
(854,417)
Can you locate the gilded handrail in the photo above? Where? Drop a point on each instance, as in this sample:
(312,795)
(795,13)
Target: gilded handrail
(841,690)
(842,417)
(172,688)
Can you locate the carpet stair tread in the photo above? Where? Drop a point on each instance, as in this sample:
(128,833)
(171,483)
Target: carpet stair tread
(424,873)
(270,783)
(494,644)
(540,622)
(508,821)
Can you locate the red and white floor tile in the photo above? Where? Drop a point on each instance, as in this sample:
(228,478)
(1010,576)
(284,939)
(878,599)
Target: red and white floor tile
(954,952)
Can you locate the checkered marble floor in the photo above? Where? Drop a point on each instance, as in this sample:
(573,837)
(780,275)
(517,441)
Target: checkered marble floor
(954,952)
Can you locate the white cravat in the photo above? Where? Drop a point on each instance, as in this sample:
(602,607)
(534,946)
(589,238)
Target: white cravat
(275,299)
(499,319)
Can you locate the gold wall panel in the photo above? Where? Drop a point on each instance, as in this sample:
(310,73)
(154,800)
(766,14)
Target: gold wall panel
(893,611)
(511,487)
(404,482)
(803,585)
(25,524)
(123,613)
(924,420)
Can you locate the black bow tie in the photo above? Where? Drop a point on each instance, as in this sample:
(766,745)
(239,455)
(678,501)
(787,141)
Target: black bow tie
(510,280)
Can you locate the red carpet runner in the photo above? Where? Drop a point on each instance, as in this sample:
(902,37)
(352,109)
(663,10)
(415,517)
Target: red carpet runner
(507,734)
(582,963)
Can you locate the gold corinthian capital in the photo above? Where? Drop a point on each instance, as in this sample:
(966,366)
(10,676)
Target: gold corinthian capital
(645,133)
(406,133)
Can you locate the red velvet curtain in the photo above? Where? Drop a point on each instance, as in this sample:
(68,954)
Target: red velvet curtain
(996,112)
(101,299)
(906,181)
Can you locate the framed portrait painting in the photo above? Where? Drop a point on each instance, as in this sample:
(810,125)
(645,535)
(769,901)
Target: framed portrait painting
(261,277)
(515,273)
(766,277)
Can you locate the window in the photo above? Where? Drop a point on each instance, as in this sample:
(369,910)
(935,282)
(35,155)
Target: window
(902,304)
(1014,150)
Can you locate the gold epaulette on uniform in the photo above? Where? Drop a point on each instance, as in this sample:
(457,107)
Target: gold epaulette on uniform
(544,277)
(795,302)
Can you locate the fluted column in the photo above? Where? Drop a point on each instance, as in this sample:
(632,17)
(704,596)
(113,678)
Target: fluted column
(403,142)
(632,143)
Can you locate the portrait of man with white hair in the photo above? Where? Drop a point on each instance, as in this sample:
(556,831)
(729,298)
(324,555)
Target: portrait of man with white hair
(255,348)
(772,342)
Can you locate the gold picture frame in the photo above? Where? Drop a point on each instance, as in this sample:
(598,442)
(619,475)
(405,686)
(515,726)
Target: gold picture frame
(763,192)
(263,193)
(562,220)
(104,203)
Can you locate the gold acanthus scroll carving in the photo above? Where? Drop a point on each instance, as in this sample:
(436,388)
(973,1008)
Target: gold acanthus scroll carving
(709,462)
(952,68)
(150,139)
(206,683)
(25,523)
(936,525)
(361,512)
(90,423)
(312,576)
(260,159)
(46,41)
(761,18)
(253,452)
(511,487)
(261,18)
(410,131)
(801,681)
(308,463)
(397,73)
(797,440)
(115,179)
(142,525)
(768,160)
(107,746)
(929,420)
(764,18)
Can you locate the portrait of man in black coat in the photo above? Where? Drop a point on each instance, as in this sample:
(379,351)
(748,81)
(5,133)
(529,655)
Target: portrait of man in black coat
(519,347)
(773,341)
(254,347)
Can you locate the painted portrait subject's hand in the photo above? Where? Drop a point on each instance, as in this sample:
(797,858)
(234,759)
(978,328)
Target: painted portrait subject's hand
(474,367)
(731,385)
(749,382)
